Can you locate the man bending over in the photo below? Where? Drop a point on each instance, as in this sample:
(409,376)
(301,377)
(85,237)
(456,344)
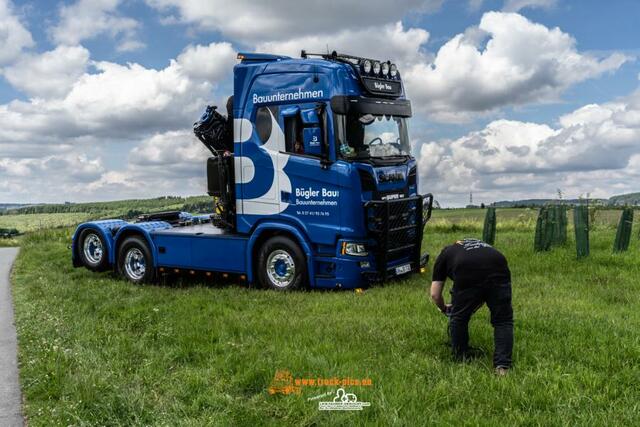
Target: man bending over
(480,274)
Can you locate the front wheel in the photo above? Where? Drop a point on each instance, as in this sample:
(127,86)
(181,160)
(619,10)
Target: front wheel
(135,262)
(281,264)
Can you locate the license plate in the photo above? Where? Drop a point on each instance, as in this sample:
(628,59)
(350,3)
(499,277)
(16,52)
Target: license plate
(402,269)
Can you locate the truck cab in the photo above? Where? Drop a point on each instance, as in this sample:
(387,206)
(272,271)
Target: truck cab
(321,189)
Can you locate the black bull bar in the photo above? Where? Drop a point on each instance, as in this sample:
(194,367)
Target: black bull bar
(398,226)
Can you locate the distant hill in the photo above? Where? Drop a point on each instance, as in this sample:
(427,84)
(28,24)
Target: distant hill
(525,203)
(203,204)
(121,208)
(631,199)
(6,206)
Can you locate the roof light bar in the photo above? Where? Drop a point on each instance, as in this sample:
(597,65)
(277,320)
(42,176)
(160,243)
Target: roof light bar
(365,67)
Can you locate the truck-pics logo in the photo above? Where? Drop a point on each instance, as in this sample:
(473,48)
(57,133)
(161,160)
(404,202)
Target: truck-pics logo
(287,96)
(282,383)
(343,401)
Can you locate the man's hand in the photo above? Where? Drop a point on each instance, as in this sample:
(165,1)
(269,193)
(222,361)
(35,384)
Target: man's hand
(447,309)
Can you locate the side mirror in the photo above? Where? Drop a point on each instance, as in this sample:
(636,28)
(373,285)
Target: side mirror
(325,157)
(310,116)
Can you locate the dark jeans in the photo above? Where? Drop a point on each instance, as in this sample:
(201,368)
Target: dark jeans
(465,302)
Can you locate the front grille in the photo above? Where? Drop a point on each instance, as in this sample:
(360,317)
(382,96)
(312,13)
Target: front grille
(396,226)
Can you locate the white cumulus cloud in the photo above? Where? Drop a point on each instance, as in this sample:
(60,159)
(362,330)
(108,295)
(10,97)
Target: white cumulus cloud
(254,22)
(517,5)
(518,62)
(122,101)
(213,62)
(391,41)
(174,151)
(14,37)
(50,74)
(172,162)
(87,19)
(595,149)
(146,111)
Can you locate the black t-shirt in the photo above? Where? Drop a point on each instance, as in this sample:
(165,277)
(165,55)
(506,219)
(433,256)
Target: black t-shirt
(471,262)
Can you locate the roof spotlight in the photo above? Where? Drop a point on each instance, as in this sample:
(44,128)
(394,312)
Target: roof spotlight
(385,68)
(366,66)
(393,70)
(376,67)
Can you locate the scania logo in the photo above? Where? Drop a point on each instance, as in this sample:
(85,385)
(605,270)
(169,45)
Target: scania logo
(391,176)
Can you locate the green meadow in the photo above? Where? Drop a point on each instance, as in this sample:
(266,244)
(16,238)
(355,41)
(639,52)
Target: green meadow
(96,350)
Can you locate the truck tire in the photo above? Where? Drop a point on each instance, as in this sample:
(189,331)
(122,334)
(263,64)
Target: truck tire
(281,264)
(135,262)
(92,250)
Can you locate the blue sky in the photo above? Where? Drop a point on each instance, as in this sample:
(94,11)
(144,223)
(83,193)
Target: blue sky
(513,98)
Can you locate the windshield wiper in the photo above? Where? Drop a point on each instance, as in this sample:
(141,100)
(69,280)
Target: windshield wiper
(380,160)
(392,156)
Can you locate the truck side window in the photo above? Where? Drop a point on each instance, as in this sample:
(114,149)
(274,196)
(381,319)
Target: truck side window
(293,134)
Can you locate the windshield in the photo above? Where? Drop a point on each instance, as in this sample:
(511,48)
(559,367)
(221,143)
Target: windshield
(363,136)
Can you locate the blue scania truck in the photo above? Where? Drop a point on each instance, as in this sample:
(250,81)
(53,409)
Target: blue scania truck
(319,187)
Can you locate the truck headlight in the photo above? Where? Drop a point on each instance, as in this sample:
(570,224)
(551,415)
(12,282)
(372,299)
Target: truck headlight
(376,68)
(385,68)
(366,67)
(354,249)
(393,70)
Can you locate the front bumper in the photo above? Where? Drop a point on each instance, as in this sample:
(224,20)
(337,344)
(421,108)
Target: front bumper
(349,273)
(395,230)
(394,271)
(397,227)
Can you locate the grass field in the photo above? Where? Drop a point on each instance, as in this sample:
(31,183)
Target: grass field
(95,350)
(26,223)
(32,222)
(30,219)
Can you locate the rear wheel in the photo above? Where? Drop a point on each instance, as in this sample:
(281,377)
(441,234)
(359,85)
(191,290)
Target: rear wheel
(281,264)
(92,250)
(135,262)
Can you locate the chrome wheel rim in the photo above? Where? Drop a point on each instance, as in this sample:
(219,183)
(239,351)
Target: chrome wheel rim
(281,268)
(92,248)
(135,264)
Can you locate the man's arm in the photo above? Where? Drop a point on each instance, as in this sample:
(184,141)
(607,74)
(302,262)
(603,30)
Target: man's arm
(436,295)
(437,281)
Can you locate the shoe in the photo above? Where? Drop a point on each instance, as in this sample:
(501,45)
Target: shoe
(470,354)
(474,353)
(501,371)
